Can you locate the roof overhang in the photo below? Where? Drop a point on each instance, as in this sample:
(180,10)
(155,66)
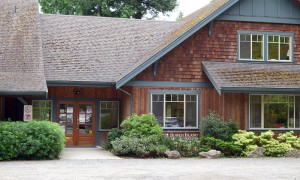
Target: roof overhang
(80,83)
(23,93)
(253,77)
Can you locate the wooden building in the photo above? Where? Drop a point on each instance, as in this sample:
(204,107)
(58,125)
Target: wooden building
(240,58)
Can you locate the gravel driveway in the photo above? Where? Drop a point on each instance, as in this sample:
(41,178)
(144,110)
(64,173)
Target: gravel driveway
(194,168)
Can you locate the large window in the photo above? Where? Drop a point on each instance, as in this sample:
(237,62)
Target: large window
(265,46)
(274,111)
(42,110)
(109,114)
(175,110)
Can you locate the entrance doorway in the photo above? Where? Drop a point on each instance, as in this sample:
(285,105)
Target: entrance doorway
(77,119)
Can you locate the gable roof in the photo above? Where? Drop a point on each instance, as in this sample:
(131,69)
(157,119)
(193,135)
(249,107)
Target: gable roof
(191,24)
(21,64)
(253,77)
(87,49)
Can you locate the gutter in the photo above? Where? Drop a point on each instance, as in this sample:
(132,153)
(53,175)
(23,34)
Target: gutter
(131,99)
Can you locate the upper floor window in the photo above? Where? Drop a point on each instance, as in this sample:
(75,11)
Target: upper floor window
(265,46)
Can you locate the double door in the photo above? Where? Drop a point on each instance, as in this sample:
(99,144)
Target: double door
(77,120)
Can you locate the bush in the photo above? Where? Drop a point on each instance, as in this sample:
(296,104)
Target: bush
(32,140)
(272,147)
(213,126)
(112,135)
(141,126)
(140,147)
(246,141)
(289,138)
(226,147)
(187,147)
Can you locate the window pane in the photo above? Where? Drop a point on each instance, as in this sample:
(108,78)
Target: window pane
(109,115)
(275,115)
(257,50)
(174,114)
(284,52)
(245,50)
(191,114)
(273,51)
(297,112)
(158,111)
(42,110)
(291,123)
(168,97)
(255,111)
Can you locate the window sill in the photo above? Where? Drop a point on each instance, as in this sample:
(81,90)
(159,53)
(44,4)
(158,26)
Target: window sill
(265,62)
(181,128)
(274,129)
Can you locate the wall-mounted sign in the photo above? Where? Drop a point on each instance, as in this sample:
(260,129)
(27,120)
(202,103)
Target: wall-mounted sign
(181,134)
(27,112)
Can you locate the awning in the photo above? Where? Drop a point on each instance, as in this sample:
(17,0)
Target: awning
(253,77)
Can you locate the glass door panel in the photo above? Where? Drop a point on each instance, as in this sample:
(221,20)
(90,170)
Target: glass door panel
(85,119)
(66,118)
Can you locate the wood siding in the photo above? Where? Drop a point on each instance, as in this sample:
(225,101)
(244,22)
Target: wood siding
(183,63)
(230,106)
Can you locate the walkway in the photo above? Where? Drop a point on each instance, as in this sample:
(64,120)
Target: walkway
(87,153)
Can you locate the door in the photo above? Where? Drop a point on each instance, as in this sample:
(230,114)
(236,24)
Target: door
(77,120)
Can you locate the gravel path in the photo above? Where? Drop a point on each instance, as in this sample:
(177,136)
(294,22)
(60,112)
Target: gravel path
(266,168)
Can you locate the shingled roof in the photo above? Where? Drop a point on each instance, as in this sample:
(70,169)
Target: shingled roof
(96,49)
(254,77)
(189,26)
(21,64)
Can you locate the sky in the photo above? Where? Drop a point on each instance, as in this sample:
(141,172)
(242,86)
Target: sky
(185,6)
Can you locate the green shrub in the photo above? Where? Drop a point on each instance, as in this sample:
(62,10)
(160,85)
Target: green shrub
(289,138)
(30,140)
(213,126)
(139,146)
(272,147)
(112,135)
(187,147)
(227,148)
(141,126)
(246,141)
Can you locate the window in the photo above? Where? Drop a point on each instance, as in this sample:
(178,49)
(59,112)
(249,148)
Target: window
(265,46)
(175,110)
(41,110)
(274,111)
(109,114)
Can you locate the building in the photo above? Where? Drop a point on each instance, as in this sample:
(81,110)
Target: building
(239,58)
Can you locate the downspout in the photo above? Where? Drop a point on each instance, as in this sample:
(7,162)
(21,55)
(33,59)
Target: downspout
(131,99)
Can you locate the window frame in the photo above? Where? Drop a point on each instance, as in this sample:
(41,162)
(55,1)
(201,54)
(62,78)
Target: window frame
(51,108)
(177,92)
(262,112)
(100,127)
(265,45)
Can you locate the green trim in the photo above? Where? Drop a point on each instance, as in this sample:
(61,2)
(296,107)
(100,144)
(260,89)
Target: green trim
(169,84)
(259,19)
(261,90)
(80,83)
(218,89)
(23,93)
(174,43)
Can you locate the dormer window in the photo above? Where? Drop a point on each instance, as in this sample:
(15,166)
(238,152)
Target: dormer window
(265,46)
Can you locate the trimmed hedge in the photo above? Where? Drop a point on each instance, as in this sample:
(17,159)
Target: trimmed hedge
(30,140)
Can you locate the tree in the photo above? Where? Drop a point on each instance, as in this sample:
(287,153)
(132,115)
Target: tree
(109,8)
(180,16)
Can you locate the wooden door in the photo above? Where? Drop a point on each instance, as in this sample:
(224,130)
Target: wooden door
(77,120)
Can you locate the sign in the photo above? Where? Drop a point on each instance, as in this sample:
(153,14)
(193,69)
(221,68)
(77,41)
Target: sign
(27,112)
(181,134)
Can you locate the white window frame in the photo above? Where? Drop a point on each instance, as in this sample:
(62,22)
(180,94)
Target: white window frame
(184,113)
(251,46)
(266,45)
(262,113)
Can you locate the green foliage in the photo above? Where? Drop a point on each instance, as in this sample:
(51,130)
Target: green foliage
(213,126)
(272,147)
(228,148)
(150,146)
(289,138)
(187,147)
(112,135)
(246,141)
(141,126)
(31,140)
(108,8)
